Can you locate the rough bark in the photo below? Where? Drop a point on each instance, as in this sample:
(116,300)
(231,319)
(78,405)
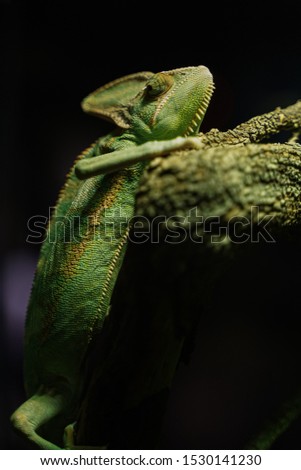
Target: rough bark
(231,174)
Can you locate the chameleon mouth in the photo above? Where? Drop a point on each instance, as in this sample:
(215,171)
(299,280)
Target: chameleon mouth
(200,113)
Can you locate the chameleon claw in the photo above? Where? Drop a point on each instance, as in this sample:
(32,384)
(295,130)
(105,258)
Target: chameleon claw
(69,437)
(194,142)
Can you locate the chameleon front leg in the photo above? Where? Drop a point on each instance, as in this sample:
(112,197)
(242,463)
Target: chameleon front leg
(124,158)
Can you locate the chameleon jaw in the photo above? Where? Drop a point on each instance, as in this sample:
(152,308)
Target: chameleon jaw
(199,115)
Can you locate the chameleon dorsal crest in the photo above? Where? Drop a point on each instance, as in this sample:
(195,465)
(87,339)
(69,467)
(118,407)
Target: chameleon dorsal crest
(110,102)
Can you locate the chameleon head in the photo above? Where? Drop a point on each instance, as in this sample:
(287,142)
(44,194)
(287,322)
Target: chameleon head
(172,103)
(148,107)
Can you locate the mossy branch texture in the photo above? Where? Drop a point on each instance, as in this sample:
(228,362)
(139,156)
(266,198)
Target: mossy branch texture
(233,172)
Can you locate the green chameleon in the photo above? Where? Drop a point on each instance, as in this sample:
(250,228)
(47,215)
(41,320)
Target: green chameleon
(87,236)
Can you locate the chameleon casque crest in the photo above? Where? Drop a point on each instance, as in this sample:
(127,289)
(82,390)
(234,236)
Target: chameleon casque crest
(76,273)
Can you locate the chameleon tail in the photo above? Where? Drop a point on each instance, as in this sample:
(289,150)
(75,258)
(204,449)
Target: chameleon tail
(35,412)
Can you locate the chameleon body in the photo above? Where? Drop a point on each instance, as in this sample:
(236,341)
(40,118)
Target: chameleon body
(87,236)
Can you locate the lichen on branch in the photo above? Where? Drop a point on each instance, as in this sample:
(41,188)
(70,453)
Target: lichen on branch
(231,173)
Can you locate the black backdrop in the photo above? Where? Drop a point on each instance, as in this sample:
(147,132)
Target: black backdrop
(53,55)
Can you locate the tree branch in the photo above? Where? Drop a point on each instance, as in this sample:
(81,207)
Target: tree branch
(258,128)
(230,175)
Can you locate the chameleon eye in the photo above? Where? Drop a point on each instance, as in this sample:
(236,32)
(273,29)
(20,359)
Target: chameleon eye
(158,84)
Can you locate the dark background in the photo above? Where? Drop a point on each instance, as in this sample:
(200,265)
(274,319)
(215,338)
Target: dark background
(54,55)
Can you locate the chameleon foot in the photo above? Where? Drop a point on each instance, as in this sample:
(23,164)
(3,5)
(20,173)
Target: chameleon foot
(69,437)
(69,444)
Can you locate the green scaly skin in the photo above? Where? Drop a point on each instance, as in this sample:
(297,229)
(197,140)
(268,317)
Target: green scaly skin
(83,252)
